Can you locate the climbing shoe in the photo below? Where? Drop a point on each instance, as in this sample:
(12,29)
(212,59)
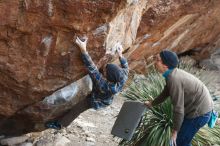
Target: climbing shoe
(53,125)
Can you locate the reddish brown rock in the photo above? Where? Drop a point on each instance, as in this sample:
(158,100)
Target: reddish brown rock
(179,26)
(38,56)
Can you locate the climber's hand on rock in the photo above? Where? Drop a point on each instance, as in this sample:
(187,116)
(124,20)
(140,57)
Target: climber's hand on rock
(82,44)
(119,49)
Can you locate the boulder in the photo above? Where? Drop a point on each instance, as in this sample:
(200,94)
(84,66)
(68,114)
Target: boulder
(42,75)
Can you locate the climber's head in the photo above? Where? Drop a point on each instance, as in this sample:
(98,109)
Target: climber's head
(112,72)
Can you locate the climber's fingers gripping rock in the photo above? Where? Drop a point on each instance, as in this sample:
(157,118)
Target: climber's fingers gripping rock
(119,49)
(82,44)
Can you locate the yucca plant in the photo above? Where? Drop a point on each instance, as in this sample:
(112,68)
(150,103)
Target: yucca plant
(155,127)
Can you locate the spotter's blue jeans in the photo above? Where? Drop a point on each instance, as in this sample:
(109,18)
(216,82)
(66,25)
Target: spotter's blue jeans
(190,127)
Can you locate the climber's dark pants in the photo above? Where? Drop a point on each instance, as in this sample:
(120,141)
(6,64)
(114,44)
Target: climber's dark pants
(74,112)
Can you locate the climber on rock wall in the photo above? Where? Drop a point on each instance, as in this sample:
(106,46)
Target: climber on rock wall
(105,85)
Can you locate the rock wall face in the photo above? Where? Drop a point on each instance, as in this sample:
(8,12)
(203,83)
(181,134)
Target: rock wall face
(38,56)
(179,26)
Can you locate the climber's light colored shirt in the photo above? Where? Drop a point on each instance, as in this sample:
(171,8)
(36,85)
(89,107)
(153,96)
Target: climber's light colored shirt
(189,96)
(103,90)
